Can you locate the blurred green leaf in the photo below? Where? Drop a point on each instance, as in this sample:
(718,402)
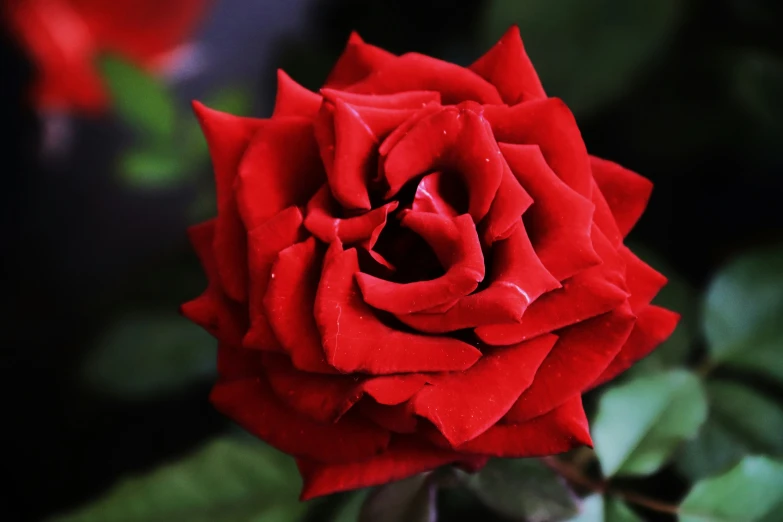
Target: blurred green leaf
(749,492)
(743,310)
(142,354)
(758,81)
(677,295)
(349,511)
(596,508)
(587,53)
(226,481)
(713,451)
(140,99)
(524,489)
(233,100)
(640,424)
(408,500)
(152,168)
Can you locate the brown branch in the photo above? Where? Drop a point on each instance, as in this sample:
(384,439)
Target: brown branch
(575,476)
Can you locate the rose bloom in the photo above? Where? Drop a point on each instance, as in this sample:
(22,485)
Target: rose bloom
(64,37)
(419,265)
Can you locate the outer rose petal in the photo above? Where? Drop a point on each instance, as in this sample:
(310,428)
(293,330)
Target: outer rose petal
(228,137)
(455,139)
(643,281)
(653,326)
(508,68)
(550,125)
(325,398)
(582,353)
(288,305)
(354,340)
(463,405)
(417,72)
(280,168)
(264,243)
(397,419)
(413,100)
(294,100)
(251,403)
(625,191)
(357,61)
(518,278)
(558,431)
(604,219)
(235,362)
(595,291)
(458,249)
(225,319)
(560,222)
(405,456)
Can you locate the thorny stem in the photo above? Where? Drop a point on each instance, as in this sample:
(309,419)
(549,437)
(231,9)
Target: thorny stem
(575,476)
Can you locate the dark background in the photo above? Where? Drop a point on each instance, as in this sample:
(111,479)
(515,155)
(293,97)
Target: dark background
(703,119)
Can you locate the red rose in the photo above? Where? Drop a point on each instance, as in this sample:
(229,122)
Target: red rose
(420,265)
(64,37)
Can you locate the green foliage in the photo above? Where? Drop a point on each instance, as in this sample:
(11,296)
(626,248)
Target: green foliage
(226,481)
(408,500)
(142,354)
(587,53)
(349,511)
(152,168)
(596,508)
(741,421)
(640,424)
(742,317)
(523,489)
(139,98)
(752,491)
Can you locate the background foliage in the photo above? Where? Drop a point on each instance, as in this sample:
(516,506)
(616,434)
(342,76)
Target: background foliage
(107,413)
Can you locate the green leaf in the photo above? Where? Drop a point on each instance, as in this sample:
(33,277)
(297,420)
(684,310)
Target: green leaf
(640,424)
(596,508)
(226,481)
(523,489)
(152,169)
(587,53)
(409,500)
(749,492)
(677,295)
(741,421)
(742,313)
(233,100)
(140,99)
(350,510)
(142,354)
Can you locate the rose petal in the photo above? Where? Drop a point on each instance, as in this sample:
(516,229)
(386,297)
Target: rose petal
(357,61)
(322,223)
(280,168)
(405,456)
(508,68)
(222,317)
(354,340)
(643,281)
(235,362)
(453,140)
(288,305)
(436,195)
(625,191)
(560,222)
(252,404)
(511,201)
(417,72)
(391,390)
(550,125)
(589,293)
(582,353)
(355,146)
(604,219)
(399,100)
(653,326)
(463,405)
(397,419)
(294,100)
(518,278)
(558,431)
(457,246)
(228,137)
(264,243)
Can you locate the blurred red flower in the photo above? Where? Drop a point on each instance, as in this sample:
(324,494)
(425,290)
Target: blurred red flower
(63,38)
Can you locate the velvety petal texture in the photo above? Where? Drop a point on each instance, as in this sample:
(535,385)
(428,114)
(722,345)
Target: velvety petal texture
(418,265)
